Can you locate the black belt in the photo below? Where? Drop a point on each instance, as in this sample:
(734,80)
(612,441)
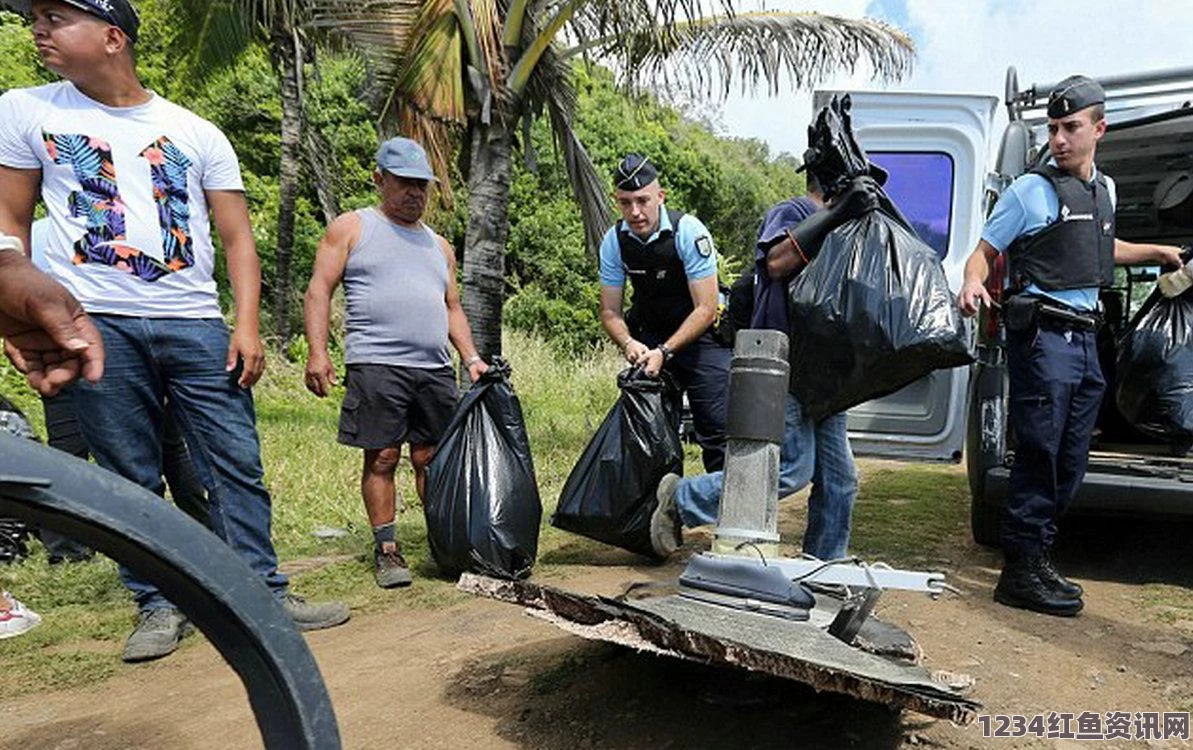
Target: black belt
(1063,317)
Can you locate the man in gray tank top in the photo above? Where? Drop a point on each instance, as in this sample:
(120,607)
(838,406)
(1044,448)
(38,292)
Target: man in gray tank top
(403,307)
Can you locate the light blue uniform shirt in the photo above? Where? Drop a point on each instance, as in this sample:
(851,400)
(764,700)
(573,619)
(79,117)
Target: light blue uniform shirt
(1026,207)
(696,264)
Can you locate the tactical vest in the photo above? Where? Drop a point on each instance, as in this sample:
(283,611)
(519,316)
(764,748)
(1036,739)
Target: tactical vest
(1075,251)
(662,300)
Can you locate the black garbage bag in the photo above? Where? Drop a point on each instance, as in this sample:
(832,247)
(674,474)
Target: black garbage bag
(1155,369)
(610,494)
(834,156)
(871,314)
(482,500)
(872,311)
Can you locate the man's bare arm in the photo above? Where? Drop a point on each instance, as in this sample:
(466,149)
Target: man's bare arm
(977,269)
(331,258)
(458,329)
(47,336)
(1130,253)
(18,197)
(613,321)
(231,217)
(704,298)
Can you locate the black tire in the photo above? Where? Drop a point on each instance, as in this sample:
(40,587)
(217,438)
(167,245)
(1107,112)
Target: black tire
(193,568)
(983,522)
(985,441)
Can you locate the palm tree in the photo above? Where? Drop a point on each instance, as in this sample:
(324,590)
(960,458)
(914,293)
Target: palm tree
(489,68)
(218,32)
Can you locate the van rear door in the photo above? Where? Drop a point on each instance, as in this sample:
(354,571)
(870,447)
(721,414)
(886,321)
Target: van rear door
(936,148)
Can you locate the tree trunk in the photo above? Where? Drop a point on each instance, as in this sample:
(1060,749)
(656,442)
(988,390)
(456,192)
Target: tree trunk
(489,177)
(286,52)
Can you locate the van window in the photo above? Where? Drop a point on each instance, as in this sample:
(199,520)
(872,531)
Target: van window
(921,185)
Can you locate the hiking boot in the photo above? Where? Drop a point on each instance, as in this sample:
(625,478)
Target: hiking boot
(157,634)
(389,567)
(314,615)
(17,618)
(1020,586)
(1050,576)
(666,531)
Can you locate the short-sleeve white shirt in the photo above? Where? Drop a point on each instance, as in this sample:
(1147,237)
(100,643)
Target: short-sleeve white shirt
(124,189)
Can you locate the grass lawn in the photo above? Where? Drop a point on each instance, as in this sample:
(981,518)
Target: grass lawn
(903,513)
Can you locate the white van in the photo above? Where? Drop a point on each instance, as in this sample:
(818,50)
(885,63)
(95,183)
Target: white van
(936,148)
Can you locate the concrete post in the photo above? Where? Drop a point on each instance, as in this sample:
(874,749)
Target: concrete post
(758,380)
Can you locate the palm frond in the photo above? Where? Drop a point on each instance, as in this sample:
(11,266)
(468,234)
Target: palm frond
(212,34)
(551,88)
(381,30)
(431,79)
(662,19)
(480,23)
(544,40)
(511,30)
(487,17)
(433,52)
(707,56)
(381,23)
(436,136)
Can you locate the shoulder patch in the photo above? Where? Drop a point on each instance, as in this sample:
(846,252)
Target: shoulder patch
(704,246)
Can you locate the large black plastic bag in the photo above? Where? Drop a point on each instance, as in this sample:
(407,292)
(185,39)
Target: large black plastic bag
(610,494)
(871,314)
(1155,369)
(482,500)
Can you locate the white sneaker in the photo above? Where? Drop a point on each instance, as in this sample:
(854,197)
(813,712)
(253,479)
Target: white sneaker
(17,619)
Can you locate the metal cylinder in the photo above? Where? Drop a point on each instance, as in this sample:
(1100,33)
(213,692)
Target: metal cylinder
(748,519)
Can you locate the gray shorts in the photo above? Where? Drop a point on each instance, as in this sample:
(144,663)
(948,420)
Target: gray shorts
(387,405)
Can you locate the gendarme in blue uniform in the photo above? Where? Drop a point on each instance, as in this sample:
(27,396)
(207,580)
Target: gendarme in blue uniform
(1060,252)
(660,268)
(698,262)
(1025,208)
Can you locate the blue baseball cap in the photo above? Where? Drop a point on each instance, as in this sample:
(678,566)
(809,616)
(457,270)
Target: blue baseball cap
(120,13)
(403,157)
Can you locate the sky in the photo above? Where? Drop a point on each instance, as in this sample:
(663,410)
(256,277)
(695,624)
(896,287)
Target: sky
(965,46)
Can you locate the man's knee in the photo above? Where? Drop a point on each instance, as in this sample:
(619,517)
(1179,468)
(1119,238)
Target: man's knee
(383,461)
(421,456)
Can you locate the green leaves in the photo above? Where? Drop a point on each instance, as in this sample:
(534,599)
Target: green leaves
(706,56)
(212,34)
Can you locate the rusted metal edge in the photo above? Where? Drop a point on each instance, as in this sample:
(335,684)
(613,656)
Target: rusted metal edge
(603,619)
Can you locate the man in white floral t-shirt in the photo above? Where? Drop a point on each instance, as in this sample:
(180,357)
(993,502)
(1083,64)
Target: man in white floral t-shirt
(132,184)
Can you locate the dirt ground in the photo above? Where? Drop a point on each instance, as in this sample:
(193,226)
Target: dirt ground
(483,674)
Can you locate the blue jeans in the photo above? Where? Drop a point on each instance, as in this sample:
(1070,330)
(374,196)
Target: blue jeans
(122,416)
(818,453)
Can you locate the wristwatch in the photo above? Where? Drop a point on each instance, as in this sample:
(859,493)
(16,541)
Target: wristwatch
(666,352)
(472,360)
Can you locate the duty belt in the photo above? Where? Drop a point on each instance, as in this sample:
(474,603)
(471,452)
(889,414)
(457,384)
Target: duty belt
(1066,318)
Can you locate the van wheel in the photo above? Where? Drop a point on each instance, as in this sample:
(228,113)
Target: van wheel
(983,521)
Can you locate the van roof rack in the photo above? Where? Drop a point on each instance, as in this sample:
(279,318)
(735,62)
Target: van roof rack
(1122,92)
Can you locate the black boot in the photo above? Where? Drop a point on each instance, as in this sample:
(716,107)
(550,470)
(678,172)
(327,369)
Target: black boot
(1050,576)
(1020,586)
